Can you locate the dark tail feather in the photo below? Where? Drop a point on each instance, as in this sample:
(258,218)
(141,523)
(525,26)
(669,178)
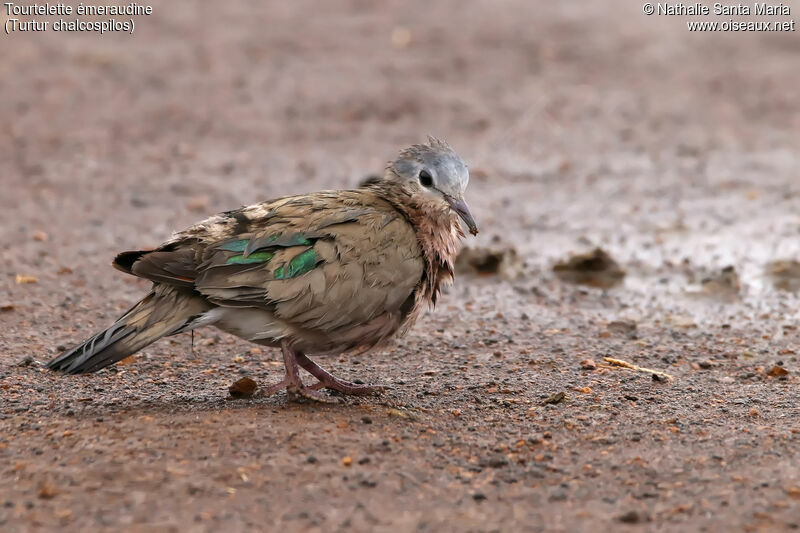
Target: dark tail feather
(160,313)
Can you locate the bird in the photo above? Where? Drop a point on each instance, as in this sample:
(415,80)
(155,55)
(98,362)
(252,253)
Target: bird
(324,273)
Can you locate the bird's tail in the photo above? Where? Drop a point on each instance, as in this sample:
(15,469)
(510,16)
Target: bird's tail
(165,311)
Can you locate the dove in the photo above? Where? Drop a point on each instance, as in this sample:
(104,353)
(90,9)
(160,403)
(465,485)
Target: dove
(316,274)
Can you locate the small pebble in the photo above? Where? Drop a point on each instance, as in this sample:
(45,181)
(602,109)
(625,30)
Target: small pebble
(47,491)
(631,517)
(556,398)
(244,388)
(777,371)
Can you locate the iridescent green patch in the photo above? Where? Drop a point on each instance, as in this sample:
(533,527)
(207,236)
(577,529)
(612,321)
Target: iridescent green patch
(299,264)
(258,257)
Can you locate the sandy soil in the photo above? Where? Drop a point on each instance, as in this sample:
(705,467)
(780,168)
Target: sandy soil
(584,125)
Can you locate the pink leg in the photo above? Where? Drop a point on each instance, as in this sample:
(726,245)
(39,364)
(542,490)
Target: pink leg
(328,380)
(292,383)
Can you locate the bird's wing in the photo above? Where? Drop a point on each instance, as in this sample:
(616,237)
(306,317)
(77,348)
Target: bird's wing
(322,261)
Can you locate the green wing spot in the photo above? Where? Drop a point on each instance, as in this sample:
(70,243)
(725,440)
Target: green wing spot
(235,246)
(258,257)
(299,264)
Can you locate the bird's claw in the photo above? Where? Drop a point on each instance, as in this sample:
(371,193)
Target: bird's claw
(297,394)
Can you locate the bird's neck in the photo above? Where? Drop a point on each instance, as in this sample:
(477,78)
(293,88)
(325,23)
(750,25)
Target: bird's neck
(437,229)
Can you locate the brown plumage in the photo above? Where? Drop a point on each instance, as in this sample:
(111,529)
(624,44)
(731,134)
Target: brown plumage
(326,272)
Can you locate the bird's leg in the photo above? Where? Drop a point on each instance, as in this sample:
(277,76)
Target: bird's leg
(292,383)
(328,380)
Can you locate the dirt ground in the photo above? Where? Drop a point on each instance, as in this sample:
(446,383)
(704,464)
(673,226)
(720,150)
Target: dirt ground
(585,125)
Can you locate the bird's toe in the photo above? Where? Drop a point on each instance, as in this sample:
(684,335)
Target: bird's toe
(299,393)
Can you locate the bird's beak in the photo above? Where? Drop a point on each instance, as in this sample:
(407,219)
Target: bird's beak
(462,209)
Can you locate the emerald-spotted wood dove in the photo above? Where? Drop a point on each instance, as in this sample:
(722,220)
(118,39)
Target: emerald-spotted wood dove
(321,273)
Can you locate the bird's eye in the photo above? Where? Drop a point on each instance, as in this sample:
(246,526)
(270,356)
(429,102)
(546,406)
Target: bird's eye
(425,178)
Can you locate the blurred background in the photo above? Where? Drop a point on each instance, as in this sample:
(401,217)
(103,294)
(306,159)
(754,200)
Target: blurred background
(585,124)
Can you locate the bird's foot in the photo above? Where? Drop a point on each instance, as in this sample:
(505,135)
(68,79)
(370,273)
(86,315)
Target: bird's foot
(295,388)
(310,393)
(329,381)
(296,391)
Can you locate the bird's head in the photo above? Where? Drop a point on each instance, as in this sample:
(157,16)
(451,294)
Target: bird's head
(433,173)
